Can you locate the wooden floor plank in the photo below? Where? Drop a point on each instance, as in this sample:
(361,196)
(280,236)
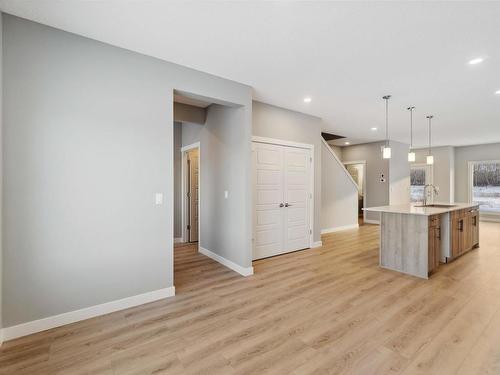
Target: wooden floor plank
(327,310)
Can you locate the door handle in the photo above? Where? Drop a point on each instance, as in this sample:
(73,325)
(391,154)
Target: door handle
(461,225)
(282,205)
(288,205)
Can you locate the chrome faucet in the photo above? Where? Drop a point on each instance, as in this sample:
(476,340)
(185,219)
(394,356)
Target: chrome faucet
(433,191)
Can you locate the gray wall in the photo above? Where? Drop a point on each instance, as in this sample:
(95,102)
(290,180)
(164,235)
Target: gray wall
(222,163)
(188,113)
(275,122)
(377,193)
(399,174)
(470,153)
(443,170)
(88,141)
(1,172)
(191,133)
(177,180)
(339,194)
(337,150)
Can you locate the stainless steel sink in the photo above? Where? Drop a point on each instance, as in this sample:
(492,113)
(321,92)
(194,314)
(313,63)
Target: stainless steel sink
(437,205)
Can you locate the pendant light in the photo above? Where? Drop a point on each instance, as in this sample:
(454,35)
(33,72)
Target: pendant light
(411,154)
(430,158)
(386,152)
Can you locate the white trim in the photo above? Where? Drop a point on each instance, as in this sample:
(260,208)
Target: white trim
(483,215)
(364,181)
(377,222)
(184,203)
(178,240)
(317,244)
(190,147)
(1,336)
(340,228)
(248,271)
(35,326)
(306,146)
(495,218)
(341,165)
(281,142)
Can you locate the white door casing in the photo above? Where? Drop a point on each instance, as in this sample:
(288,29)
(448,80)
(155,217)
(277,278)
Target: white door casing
(193,160)
(282,194)
(297,197)
(268,197)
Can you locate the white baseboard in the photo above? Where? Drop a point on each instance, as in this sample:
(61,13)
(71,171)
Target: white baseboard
(317,244)
(494,219)
(340,228)
(35,326)
(178,240)
(225,262)
(377,222)
(1,336)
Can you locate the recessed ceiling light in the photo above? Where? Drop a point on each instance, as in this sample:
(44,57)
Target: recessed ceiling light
(307,99)
(497,92)
(475,61)
(374,128)
(347,143)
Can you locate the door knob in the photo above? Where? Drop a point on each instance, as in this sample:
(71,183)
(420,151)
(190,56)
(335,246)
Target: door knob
(288,205)
(282,205)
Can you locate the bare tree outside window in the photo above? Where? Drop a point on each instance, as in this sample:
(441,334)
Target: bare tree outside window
(417,183)
(486,186)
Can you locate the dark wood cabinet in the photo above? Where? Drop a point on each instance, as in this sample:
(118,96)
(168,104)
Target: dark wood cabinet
(475,228)
(464,230)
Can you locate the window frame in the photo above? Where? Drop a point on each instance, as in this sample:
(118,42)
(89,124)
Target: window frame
(430,178)
(470,184)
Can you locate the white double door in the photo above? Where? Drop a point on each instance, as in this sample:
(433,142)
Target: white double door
(282,199)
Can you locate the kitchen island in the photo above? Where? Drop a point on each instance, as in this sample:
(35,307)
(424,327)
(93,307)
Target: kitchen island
(416,239)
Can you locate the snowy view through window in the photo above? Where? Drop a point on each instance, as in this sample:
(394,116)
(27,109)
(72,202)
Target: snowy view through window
(417,183)
(486,186)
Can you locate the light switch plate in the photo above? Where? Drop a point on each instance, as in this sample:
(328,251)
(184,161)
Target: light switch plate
(159,199)
(226,194)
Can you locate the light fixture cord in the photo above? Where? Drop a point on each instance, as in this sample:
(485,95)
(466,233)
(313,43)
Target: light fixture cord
(386,97)
(411,126)
(430,118)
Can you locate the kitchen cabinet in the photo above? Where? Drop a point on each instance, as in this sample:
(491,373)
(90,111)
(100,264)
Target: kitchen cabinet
(434,242)
(464,230)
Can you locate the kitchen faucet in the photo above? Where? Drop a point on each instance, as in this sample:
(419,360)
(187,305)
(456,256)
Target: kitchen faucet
(433,191)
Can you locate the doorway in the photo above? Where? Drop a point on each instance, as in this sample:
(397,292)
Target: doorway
(191,192)
(283,197)
(357,170)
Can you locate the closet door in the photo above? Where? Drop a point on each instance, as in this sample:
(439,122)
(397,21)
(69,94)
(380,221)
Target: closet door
(297,174)
(268,161)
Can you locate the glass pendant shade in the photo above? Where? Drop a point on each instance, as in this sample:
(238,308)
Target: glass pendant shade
(411,154)
(430,158)
(386,153)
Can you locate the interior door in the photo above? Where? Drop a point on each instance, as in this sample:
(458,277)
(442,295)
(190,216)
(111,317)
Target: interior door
(268,200)
(297,191)
(281,218)
(193,160)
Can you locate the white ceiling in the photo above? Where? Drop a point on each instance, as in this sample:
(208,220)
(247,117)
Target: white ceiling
(345,55)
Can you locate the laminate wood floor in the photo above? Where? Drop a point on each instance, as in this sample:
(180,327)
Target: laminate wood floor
(326,310)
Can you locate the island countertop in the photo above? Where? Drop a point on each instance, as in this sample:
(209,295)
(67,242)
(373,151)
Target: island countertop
(411,209)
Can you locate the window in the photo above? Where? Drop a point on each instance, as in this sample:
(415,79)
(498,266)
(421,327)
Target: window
(485,185)
(420,175)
